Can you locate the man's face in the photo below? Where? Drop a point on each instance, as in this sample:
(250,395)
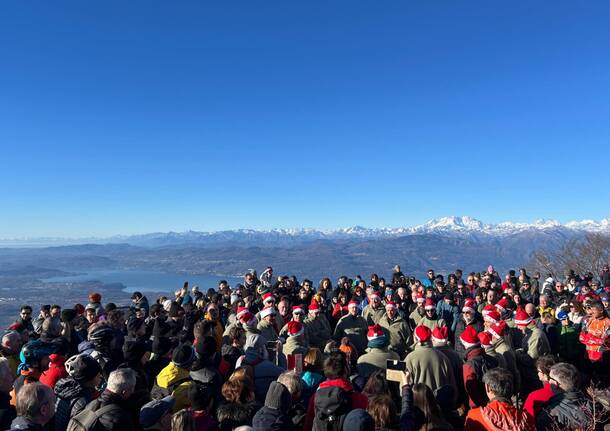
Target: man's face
(491,296)
(353,310)
(430,274)
(543,302)
(530,309)
(307,285)
(468,316)
(249,278)
(90,315)
(559,287)
(298,317)
(55,311)
(26,314)
(430,312)
(213,311)
(391,312)
(282,307)
(470,280)
(595,312)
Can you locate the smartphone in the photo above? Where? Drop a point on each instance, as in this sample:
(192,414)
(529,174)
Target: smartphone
(395,369)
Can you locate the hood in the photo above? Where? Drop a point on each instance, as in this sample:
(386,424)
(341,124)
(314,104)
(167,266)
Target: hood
(278,397)
(170,374)
(340,383)
(500,415)
(68,388)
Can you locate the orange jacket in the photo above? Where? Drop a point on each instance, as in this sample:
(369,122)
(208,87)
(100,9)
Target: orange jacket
(498,415)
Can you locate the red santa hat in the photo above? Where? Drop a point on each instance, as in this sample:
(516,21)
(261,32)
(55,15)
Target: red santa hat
(295,328)
(502,305)
(492,316)
(314,307)
(390,305)
(488,308)
(375,296)
(241,311)
(429,304)
(353,303)
(485,339)
(422,334)
(440,335)
(268,297)
(522,318)
(469,305)
(297,309)
(248,319)
(374,332)
(469,337)
(268,311)
(498,330)
(420,297)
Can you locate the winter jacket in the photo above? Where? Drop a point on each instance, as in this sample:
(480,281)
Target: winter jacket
(416,315)
(374,359)
(357,400)
(477,362)
(450,313)
(171,375)
(236,410)
(274,414)
(7,411)
(429,366)
(398,333)
(265,372)
(565,409)
(22,424)
(595,335)
(118,418)
(435,322)
(570,349)
(498,415)
(295,345)
(203,421)
(267,330)
(311,381)
(538,399)
(72,397)
(535,342)
(55,371)
(510,360)
(355,329)
(372,315)
(318,330)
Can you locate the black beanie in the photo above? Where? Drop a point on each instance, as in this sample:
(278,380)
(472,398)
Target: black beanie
(183,356)
(161,345)
(83,367)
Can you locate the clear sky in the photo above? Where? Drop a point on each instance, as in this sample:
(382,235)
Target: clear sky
(139,116)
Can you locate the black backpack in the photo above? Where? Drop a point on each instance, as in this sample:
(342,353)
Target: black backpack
(332,404)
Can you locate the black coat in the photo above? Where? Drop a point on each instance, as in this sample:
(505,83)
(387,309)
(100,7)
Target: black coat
(72,398)
(7,412)
(117,419)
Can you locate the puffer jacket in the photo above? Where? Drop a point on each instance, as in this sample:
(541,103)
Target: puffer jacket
(72,397)
(116,419)
(498,415)
(169,376)
(24,424)
(274,414)
(566,409)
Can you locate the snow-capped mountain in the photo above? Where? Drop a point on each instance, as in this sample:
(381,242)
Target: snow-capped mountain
(452,226)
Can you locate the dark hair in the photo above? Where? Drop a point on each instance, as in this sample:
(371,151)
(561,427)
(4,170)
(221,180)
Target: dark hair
(200,395)
(155,309)
(500,382)
(231,416)
(236,333)
(383,410)
(110,307)
(55,306)
(376,385)
(544,363)
(335,365)
(426,405)
(25,307)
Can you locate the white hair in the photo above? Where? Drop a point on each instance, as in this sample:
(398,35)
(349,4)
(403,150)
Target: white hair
(122,380)
(292,381)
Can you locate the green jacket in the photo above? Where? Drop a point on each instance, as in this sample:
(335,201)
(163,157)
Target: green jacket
(570,347)
(355,329)
(398,333)
(267,330)
(372,315)
(318,330)
(374,359)
(504,349)
(429,366)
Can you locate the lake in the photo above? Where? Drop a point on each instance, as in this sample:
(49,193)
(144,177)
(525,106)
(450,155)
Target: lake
(142,280)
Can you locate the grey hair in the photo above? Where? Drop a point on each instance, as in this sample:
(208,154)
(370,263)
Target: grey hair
(10,336)
(31,398)
(122,380)
(52,326)
(500,382)
(292,381)
(566,375)
(5,370)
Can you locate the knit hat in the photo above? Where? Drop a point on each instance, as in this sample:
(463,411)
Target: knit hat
(82,367)
(485,339)
(161,345)
(268,297)
(297,309)
(268,311)
(390,305)
(374,332)
(469,337)
(562,315)
(152,412)
(498,330)
(295,328)
(502,305)
(469,305)
(358,420)
(183,356)
(522,318)
(422,334)
(95,297)
(440,335)
(68,314)
(492,317)
(429,304)
(278,397)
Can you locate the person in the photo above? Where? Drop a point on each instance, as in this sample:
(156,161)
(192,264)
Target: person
(498,336)
(201,401)
(156,414)
(498,413)
(7,411)
(396,328)
(353,327)
(533,345)
(427,365)
(34,361)
(274,414)
(241,404)
(292,381)
(111,407)
(595,335)
(470,317)
(476,364)
(570,348)
(326,402)
(267,324)
(419,410)
(430,317)
(448,311)
(257,357)
(183,421)
(175,378)
(35,407)
(538,398)
(568,407)
(358,420)
(10,346)
(376,354)
(295,341)
(317,326)
(312,373)
(374,310)
(383,411)
(140,301)
(77,390)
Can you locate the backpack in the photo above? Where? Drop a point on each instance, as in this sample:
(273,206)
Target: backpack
(332,404)
(158,392)
(88,419)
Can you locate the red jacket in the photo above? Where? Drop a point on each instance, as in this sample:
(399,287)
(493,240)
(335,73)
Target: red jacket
(472,383)
(55,372)
(498,415)
(358,400)
(537,399)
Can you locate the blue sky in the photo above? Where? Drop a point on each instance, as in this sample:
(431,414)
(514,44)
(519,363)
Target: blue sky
(139,116)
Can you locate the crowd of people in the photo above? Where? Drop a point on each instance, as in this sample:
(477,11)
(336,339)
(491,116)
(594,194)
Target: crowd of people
(458,351)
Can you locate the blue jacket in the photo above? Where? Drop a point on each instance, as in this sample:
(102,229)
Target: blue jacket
(450,313)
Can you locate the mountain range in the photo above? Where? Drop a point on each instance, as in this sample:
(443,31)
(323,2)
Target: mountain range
(452,226)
